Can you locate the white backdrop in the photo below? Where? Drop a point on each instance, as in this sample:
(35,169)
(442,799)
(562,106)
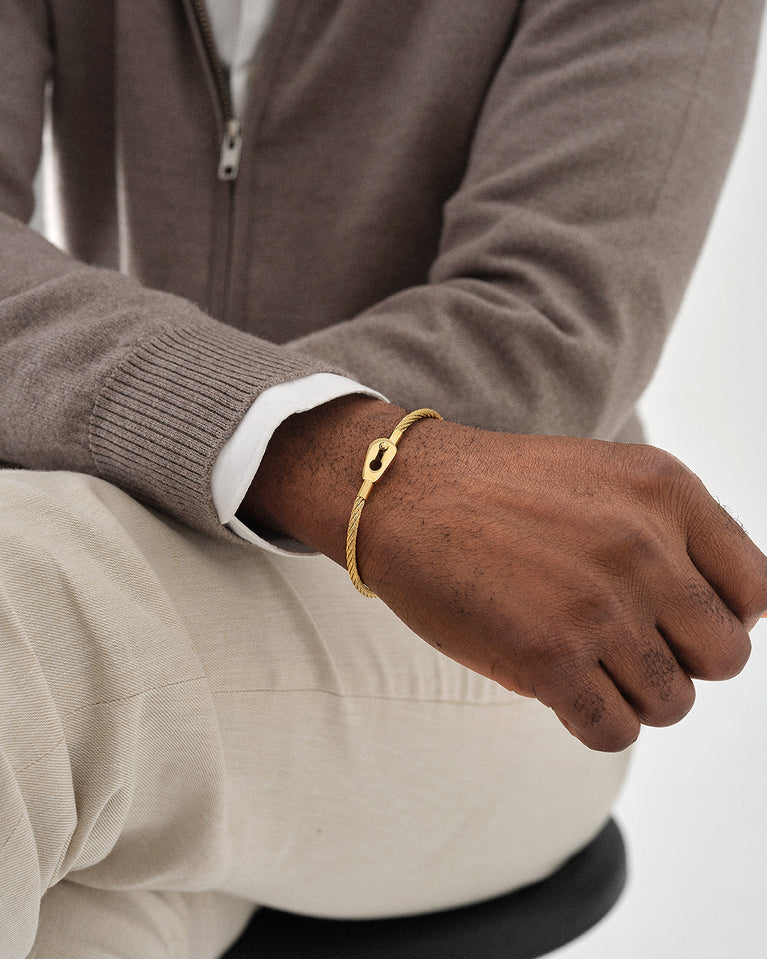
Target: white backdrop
(694,809)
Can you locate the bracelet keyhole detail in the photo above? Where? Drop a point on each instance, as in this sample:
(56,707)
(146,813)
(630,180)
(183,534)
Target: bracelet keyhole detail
(376,463)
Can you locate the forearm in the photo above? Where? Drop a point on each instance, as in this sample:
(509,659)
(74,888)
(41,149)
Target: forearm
(101,375)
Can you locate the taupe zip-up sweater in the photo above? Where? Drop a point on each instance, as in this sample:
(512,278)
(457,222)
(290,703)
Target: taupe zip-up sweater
(488,207)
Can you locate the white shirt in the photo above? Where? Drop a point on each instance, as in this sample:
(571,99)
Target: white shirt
(238,26)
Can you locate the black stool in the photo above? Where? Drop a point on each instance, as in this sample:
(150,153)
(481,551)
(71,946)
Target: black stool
(521,925)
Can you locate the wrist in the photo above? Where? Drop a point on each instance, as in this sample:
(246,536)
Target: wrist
(310,474)
(379,457)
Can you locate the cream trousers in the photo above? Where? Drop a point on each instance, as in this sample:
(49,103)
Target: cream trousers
(190,728)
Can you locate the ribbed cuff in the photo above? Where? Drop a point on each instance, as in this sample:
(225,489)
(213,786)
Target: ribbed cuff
(166,411)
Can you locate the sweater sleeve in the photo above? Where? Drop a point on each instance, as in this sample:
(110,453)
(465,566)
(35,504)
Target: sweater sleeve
(594,172)
(97,373)
(594,169)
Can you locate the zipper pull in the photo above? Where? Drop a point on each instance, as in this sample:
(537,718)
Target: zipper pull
(231,148)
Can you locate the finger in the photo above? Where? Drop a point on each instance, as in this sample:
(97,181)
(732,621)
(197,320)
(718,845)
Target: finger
(707,638)
(650,678)
(597,714)
(727,558)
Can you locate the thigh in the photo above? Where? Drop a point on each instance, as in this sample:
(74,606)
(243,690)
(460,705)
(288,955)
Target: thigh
(111,766)
(85,923)
(367,773)
(266,731)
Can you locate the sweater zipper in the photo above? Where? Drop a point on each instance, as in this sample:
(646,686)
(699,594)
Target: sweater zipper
(228,165)
(231,146)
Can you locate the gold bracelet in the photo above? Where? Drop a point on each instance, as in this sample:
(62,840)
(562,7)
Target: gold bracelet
(378,459)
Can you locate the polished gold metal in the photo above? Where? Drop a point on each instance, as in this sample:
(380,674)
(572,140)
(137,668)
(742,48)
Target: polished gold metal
(378,459)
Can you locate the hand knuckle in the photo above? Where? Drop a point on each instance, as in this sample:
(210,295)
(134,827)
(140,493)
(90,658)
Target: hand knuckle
(722,648)
(655,468)
(755,604)
(616,737)
(640,548)
(601,725)
(735,656)
(666,484)
(591,610)
(673,707)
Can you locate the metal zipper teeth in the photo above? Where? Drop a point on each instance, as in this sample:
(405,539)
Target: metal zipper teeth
(229,159)
(231,146)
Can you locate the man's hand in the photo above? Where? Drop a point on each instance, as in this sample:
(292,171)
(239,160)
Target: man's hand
(600,578)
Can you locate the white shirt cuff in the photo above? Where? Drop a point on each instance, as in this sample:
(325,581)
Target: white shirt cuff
(241,456)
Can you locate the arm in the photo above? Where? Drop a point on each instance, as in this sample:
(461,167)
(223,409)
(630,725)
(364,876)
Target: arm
(537,309)
(596,161)
(600,578)
(98,373)
(563,254)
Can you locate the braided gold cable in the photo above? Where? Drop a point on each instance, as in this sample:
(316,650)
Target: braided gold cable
(379,457)
(351,549)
